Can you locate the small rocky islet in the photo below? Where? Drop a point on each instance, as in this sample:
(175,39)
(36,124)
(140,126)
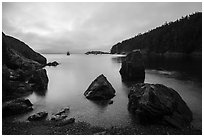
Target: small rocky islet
(23,73)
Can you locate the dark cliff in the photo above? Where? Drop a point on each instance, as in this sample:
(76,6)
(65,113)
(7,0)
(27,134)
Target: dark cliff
(23,49)
(181,36)
(22,69)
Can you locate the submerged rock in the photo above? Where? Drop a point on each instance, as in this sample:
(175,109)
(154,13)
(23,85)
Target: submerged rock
(38,116)
(133,69)
(158,103)
(16,106)
(100,89)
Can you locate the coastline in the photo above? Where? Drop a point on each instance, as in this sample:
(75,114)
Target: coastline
(83,128)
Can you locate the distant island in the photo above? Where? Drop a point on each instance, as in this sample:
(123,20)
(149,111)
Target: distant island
(96,52)
(183,36)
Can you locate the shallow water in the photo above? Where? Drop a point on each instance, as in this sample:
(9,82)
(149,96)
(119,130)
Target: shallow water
(69,80)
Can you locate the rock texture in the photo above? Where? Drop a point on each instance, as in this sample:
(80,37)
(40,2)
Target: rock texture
(100,89)
(132,68)
(38,116)
(24,50)
(60,115)
(158,103)
(55,63)
(22,69)
(16,106)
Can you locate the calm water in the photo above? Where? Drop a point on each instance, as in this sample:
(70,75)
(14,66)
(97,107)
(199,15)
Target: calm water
(69,80)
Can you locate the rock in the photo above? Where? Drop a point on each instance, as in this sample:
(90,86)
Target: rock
(68,53)
(40,79)
(67,121)
(133,69)
(158,103)
(60,115)
(22,69)
(52,63)
(110,102)
(16,106)
(65,110)
(38,116)
(100,89)
(23,49)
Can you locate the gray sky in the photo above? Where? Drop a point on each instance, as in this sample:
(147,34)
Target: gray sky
(80,27)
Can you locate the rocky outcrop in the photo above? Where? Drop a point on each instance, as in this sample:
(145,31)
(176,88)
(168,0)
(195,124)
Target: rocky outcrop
(55,63)
(38,116)
(132,68)
(100,89)
(16,106)
(158,103)
(96,52)
(23,49)
(22,69)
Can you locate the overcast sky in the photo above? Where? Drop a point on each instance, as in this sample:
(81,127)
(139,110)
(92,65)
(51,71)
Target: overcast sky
(79,27)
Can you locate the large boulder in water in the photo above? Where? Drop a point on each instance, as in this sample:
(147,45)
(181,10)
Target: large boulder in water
(133,69)
(158,103)
(100,89)
(16,106)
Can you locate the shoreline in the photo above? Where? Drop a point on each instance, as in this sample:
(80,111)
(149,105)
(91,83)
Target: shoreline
(84,128)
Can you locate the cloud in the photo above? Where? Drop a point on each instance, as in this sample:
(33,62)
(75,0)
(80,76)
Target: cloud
(78,27)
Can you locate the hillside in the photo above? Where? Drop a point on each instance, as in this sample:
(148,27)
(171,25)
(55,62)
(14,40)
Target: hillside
(181,36)
(23,49)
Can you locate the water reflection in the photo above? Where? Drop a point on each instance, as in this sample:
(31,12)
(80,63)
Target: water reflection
(187,67)
(101,103)
(117,59)
(69,80)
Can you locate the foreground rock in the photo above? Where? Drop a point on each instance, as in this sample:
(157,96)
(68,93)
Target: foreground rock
(16,106)
(133,68)
(38,116)
(60,115)
(55,63)
(100,89)
(158,103)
